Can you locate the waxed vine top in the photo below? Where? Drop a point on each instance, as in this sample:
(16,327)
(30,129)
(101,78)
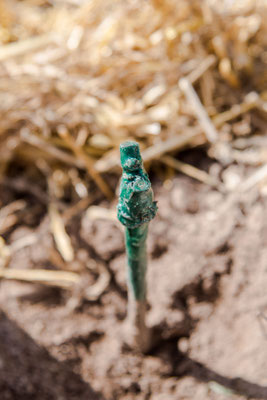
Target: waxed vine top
(136,205)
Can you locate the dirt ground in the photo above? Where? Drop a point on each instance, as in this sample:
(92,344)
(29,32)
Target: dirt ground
(207,282)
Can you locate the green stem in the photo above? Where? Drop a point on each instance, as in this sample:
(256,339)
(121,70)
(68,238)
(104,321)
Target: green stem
(136,209)
(137,260)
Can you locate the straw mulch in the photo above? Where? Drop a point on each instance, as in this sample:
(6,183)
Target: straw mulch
(77,78)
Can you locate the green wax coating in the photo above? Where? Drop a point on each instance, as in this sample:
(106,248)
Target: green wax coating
(137,259)
(135,209)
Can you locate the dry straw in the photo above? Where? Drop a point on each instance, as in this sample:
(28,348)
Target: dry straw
(106,71)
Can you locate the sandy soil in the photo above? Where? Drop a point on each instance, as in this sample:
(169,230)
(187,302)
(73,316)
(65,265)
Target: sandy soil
(207,282)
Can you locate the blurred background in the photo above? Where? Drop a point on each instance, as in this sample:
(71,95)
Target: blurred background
(187,80)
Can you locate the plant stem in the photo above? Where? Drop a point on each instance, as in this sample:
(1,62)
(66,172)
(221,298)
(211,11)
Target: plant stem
(137,265)
(137,259)
(138,334)
(135,209)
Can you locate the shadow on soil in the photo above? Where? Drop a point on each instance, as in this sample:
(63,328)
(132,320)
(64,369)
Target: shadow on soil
(182,365)
(28,371)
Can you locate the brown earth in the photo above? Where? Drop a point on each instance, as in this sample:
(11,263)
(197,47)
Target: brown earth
(207,282)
